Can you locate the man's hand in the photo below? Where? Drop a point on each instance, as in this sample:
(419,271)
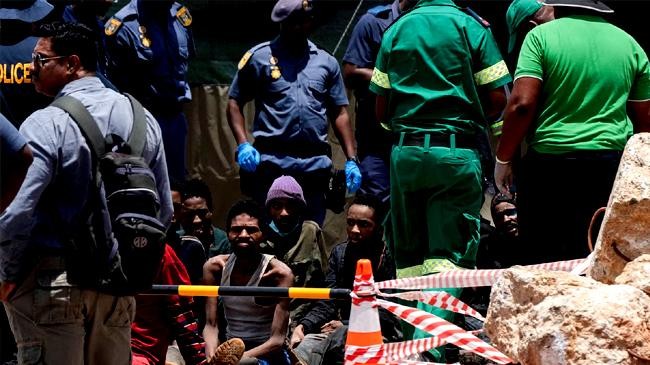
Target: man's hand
(6,289)
(219,260)
(247,157)
(297,336)
(352,176)
(503,177)
(331,326)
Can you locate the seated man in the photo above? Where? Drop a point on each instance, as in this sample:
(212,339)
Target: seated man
(297,242)
(497,249)
(161,319)
(260,323)
(194,237)
(197,218)
(320,335)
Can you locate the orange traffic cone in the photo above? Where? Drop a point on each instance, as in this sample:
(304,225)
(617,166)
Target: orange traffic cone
(364,328)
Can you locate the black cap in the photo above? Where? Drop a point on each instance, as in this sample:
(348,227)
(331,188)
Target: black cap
(593,5)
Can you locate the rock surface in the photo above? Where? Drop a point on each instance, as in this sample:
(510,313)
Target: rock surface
(555,318)
(625,232)
(637,274)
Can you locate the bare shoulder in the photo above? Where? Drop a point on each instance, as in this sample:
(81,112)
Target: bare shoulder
(214,266)
(282,272)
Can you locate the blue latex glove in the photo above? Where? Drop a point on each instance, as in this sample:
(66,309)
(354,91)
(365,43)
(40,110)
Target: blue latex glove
(247,157)
(352,176)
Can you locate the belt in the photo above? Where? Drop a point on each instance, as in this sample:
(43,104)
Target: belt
(437,140)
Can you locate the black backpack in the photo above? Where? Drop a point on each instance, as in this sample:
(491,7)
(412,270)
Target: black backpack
(118,245)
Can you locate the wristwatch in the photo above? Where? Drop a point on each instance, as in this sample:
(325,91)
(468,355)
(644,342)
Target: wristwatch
(355,159)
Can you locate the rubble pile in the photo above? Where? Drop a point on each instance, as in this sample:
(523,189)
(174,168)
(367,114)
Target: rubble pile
(558,318)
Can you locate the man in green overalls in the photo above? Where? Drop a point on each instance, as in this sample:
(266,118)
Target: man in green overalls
(439,79)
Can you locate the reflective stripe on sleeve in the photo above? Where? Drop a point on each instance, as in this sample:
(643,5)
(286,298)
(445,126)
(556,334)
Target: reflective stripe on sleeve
(380,79)
(497,128)
(492,73)
(429,266)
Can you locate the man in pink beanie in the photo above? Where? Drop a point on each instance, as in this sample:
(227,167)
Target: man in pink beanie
(297,242)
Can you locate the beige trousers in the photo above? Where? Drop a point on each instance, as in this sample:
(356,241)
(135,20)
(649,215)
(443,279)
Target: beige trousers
(55,322)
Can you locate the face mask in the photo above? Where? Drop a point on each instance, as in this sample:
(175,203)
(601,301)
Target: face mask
(280,233)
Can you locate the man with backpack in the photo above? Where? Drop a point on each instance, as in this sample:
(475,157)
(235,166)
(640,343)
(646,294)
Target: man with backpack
(70,299)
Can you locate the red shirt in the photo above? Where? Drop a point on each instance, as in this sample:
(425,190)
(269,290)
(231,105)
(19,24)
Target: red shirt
(159,319)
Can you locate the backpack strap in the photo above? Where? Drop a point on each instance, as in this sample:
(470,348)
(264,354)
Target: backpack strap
(85,121)
(138,135)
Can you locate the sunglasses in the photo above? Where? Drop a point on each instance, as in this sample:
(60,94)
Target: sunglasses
(40,60)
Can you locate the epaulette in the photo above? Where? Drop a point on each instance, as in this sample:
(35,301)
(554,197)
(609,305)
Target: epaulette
(112,26)
(476,17)
(184,17)
(379,10)
(244,59)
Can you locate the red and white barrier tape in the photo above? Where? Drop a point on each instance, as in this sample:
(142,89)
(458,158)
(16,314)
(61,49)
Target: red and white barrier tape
(365,354)
(445,331)
(404,362)
(582,267)
(412,362)
(391,351)
(363,289)
(394,351)
(439,299)
(466,278)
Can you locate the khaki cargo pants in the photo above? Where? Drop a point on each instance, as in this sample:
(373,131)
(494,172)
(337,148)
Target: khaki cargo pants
(55,322)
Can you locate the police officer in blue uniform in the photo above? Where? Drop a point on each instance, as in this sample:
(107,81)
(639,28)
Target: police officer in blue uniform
(373,141)
(18,98)
(297,87)
(149,43)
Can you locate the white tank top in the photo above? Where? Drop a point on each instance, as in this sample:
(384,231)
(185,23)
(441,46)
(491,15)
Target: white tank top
(246,319)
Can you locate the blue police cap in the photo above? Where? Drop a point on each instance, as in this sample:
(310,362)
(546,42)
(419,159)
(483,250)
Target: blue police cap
(28,11)
(284,8)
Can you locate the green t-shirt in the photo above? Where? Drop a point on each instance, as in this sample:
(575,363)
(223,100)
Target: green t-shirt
(431,64)
(589,69)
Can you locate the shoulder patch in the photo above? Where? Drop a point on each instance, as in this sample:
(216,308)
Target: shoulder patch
(244,60)
(379,10)
(112,25)
(184,17)
(246,57)
(476,17)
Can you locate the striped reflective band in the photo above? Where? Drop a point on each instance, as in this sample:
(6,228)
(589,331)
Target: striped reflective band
(380,79)
(491,73)
(497,128)
(429,266)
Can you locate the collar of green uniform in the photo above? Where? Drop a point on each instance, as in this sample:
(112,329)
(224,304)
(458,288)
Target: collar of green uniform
(436,2)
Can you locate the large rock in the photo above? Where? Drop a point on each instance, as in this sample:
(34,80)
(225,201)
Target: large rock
(637,274)
(625,232)
(556,318)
